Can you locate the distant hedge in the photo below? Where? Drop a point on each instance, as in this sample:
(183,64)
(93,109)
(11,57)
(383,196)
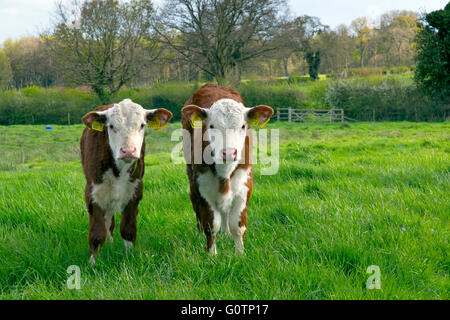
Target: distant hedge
(384,100)
(377,98)
(35,105)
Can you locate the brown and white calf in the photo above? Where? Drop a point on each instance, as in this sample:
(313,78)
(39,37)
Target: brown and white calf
(112,154)
(221,182)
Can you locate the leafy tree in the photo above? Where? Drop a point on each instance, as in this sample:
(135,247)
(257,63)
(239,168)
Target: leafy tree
(363,32)
(313,60)
(5,71)
(433,54)
(32,63)
(100,43)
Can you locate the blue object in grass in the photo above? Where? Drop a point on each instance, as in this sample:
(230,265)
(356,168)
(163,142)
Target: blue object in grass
(48,128)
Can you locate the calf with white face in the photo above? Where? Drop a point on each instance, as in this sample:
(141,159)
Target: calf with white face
(226,124)
(222,183)
(112,152)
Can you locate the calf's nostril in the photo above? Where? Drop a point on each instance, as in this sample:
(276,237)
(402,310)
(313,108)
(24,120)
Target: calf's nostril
(125,151)
(229,153)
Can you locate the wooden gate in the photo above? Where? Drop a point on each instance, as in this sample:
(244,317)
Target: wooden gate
(310,115)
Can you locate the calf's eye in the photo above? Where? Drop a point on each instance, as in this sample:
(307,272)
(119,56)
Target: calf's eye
(143,126)
(211,126)
(111,127)
(243,127)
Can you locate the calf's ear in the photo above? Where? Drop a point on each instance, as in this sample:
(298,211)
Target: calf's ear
(259,115)
(95,120)
(195,114)
(158,118)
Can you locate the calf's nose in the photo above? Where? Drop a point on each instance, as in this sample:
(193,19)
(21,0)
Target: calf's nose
(229,154)
(127,151)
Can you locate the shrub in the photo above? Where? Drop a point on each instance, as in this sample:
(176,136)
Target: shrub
(387,99)
(276,96)
(171,96)
(365,72)
(369,98)
(34,105)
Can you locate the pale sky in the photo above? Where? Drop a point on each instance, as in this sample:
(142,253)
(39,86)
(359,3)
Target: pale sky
(29,17)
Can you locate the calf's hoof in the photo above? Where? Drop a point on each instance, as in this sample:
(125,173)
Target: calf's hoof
(128,245)
(213,250)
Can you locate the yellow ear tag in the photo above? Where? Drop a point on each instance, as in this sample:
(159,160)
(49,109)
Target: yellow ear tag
(264,123)
(154,123)
(196,121)
(98,126)
(255,121)
(163,126)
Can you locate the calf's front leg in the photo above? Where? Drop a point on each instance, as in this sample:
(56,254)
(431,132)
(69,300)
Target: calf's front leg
(128,228)
(238,221)
(97,230)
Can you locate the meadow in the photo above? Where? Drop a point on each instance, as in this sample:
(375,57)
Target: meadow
(346,196)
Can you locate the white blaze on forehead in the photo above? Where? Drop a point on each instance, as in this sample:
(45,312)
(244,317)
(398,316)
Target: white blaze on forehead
(126,118)
(227,117)
(126,115)
(227,114)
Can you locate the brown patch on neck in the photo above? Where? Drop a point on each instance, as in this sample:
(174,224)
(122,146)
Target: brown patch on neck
(224,185)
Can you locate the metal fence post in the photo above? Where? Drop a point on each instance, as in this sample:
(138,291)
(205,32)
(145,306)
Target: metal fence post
(289,115)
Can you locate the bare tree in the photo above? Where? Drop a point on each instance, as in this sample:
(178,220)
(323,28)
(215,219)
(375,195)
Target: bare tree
(218,35)
(296,36)
(97,42)
(32,63)
(336,47)
(397,32)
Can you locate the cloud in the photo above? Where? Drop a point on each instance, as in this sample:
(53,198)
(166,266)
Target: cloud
(10,11)
(373,11)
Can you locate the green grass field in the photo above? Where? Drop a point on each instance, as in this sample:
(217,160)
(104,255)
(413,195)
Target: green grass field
(346,197)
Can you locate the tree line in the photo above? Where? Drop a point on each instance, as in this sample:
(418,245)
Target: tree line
(108,44)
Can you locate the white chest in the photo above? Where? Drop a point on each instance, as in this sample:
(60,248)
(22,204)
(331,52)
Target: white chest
(115,192)
(209,189)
